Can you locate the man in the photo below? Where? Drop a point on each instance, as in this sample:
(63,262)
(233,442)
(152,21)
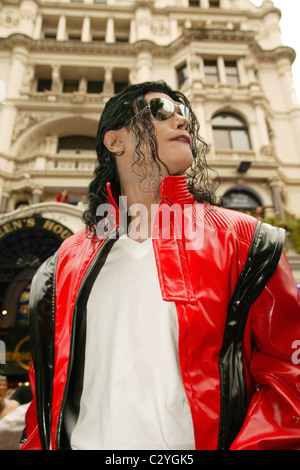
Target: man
(20,396)
(169,322)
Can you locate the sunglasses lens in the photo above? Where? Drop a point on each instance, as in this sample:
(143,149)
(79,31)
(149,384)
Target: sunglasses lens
(161,109)
(185,111)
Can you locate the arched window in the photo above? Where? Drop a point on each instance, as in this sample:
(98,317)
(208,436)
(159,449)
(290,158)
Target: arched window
(76,144)
(230,132)
(242,198)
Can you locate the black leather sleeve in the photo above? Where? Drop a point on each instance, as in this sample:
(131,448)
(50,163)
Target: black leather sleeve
(41,329)
(263,257)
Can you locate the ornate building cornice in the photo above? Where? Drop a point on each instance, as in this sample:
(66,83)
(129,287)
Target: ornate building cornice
(125,49)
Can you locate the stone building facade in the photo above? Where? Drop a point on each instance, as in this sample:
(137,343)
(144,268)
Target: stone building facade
(61,60)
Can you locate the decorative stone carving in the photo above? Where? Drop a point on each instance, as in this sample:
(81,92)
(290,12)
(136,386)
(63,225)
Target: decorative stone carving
(28,79)
(160,27)
(26,120)
(9,17)
(56,80)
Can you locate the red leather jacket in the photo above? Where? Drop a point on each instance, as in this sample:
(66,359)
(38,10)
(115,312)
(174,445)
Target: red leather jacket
(238,313)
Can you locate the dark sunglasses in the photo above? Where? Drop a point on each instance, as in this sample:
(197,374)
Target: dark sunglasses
(162,109)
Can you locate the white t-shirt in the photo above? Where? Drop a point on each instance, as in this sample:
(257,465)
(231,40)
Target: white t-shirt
(133,397)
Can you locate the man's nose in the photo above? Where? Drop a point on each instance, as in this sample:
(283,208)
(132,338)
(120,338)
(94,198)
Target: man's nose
(182,122)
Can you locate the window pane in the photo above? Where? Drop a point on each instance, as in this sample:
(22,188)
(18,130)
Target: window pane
(221,138)
(70,86)
(44,84)
(227,120)
(76,144)
(211,71)
(182,76)
(240,139)
(119,87)
(94,87)
(49,36)
(231,71)
(74,37)
(232,79)
(96,38)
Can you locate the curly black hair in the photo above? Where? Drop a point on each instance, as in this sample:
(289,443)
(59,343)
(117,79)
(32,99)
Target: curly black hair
(120,109)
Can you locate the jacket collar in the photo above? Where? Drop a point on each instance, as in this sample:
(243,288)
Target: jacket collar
(173,189)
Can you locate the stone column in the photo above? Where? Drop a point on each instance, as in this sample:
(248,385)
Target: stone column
(38,27)
(195,70)
(82,88)
(13,85)
(132,34)
(61,29)
(261,124)
(221,70)
(144,67)
(56,79)
(204,3)
(28,12)
(254,137)
(243,76)
(4,201)
(225,4)
(86,30)
(18,61)
(143,17)
(200,113)
(286,81)
(108,85)
(174,29)
(110,31)
(278,206)
(36,195)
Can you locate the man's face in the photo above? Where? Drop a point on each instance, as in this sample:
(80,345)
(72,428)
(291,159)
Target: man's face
(173,138)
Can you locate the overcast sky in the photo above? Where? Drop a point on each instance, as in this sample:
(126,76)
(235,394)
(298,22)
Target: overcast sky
(290,25)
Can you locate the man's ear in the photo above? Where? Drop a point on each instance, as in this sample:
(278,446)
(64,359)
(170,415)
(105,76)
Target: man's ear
(113,141)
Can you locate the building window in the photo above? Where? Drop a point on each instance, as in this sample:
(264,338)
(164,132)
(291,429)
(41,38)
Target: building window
(94,87)
(230,132)
(193,3)
(80,144)
(182,76)
(214,3)
(211,71)
(122,30)
(231,70)
(119,87)
(49,35)
(74,37)
(242,199)
(98,37)
(70,85)
(44,84)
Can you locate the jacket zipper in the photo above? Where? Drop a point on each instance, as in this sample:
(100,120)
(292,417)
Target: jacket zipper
(90,268)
